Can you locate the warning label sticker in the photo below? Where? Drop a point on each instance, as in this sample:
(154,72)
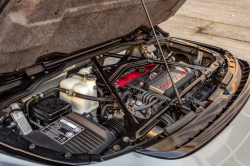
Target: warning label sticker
(62,130)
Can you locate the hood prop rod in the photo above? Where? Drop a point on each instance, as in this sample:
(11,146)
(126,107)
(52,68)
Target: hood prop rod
(173,84)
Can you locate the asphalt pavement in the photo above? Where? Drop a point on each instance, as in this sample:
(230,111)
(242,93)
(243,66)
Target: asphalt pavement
(224,23)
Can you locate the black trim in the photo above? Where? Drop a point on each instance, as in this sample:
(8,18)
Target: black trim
(214,127)
(3,4)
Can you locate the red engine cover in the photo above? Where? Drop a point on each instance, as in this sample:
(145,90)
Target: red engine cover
(133,75)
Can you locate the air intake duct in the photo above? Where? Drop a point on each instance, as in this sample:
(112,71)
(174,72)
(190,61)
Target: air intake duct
(115,127)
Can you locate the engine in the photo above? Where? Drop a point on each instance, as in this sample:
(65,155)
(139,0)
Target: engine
(80,117)
(162,84)
(153,89)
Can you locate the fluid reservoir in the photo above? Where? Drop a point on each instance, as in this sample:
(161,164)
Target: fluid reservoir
(82,83)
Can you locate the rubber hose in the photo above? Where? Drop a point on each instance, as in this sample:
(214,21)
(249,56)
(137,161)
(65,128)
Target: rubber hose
(150,100)
(137,88)
(144,97)
(100,84)
(126,94)
(146,106)
(27,106)
(53,90)
(101,99)
(103,111)
(100,91)
(166,121)
(169,117)
(12,126)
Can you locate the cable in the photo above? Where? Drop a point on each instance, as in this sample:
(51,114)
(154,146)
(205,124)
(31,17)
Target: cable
(99,90)
(126,94)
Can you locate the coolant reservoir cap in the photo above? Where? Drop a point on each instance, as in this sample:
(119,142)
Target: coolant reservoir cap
(90,76)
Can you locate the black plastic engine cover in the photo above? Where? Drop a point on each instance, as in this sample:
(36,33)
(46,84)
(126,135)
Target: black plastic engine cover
(162,84)
(50,108)
(74,134)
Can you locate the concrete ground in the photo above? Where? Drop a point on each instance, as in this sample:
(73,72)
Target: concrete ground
(224,23)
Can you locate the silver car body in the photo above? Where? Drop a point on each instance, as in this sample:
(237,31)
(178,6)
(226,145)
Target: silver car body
(230,147)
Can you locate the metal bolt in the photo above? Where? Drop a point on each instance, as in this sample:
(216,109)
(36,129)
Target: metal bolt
(68,155)
(17,69)
(32,77)
(116,148)
(32,146)
(126,139)
(216,64)
(97,57)
(46,72)
(101,55)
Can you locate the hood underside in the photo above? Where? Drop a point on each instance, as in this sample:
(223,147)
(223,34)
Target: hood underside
(30,29)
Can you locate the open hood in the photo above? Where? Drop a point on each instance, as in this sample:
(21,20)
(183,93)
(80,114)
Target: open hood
(30,29)
(83,82)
